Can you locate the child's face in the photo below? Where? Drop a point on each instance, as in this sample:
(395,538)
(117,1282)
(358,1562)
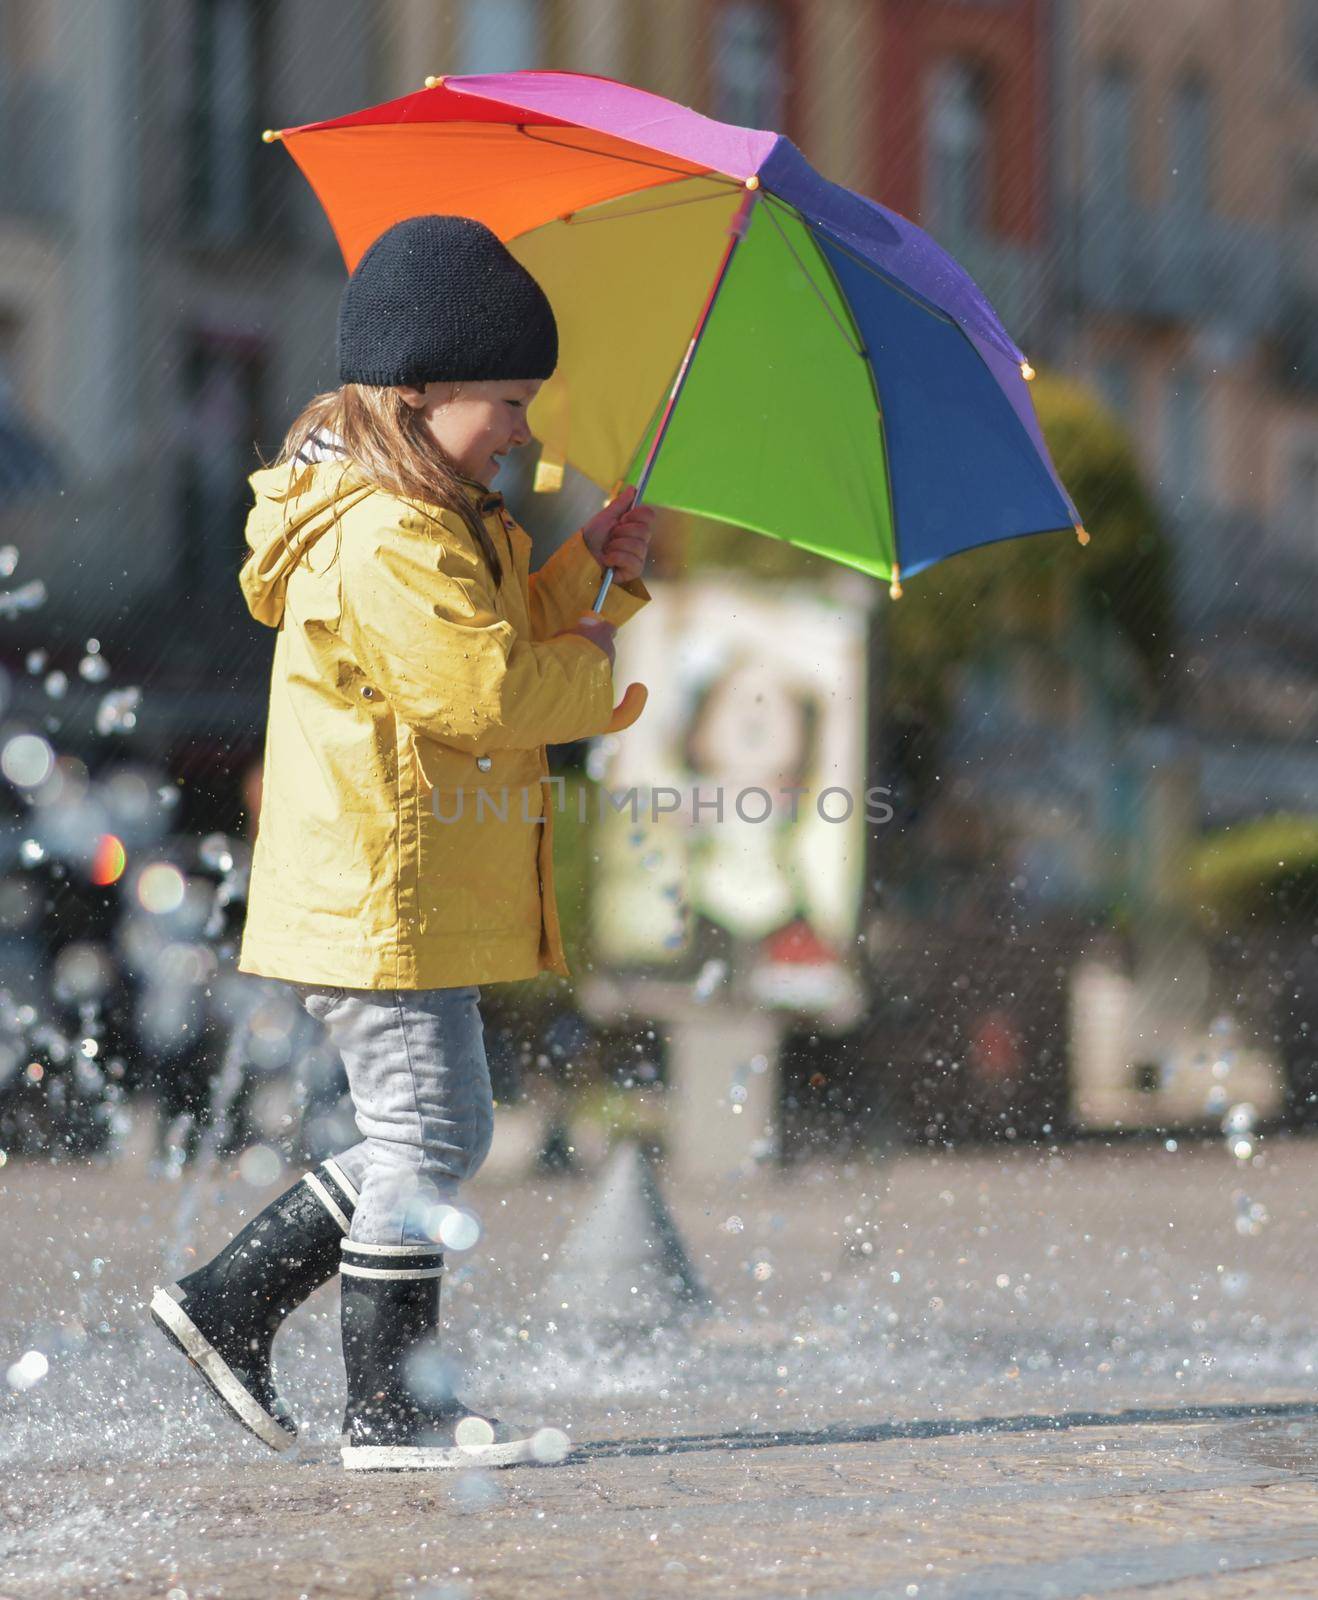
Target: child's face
(476,423)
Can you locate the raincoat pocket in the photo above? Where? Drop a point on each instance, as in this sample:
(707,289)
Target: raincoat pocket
(442,767)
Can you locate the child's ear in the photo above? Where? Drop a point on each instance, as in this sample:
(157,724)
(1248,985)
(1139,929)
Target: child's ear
(412,396)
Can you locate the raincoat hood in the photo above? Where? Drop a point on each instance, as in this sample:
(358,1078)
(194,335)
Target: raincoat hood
(295,504)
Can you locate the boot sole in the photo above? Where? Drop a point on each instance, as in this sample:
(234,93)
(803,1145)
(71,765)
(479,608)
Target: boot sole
(179,1328)
(428,1458)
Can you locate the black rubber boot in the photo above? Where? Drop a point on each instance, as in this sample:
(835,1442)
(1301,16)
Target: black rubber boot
(224,1316)
(394,1419)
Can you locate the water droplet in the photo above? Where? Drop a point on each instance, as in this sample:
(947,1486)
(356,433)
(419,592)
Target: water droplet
(28,1370)
(216,852)
(550,1444)
(27,597)
(708,979)
(473,1430)
(117,712)
(1251,1216)
(160,888)
(27,760)
(260,1166)
(458,1229)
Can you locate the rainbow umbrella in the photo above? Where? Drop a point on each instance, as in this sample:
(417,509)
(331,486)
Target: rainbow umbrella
(739,337)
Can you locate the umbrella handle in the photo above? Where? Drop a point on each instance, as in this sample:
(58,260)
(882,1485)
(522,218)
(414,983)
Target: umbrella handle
(628,708)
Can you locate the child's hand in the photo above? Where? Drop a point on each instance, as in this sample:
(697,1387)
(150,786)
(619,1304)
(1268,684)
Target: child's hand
(594,627)
(619,535)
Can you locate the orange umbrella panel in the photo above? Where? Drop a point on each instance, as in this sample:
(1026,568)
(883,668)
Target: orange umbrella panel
(511,177)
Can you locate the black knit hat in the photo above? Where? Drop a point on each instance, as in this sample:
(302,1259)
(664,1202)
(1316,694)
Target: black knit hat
(441,298)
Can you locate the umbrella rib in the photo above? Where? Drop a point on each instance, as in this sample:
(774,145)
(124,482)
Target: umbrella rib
(805,272)
(873,376)
(632,161)
(575,220)
(874,272)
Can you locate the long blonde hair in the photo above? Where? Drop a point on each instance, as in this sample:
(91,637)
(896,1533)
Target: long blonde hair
(389,443)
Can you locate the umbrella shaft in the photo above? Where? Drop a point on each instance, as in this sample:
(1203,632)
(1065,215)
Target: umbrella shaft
(604,589)
(736,232)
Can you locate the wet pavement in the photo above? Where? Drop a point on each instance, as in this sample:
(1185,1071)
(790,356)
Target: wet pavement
(1000,1373)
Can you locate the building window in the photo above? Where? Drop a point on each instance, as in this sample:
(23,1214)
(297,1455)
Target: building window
(1302,500)
(1305,18)
(1190,188)
(1302,218)
(1183,453)
(28,465)
(222,381)
(749,80)
(499,36)
(957,179)
(228,49)
(10,341)
(1110,168)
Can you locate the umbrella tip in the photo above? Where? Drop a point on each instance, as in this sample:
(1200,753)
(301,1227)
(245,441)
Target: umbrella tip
(895,587)
(1027,372)
(435,82)
(752,182)
(1081,536)
(271,136)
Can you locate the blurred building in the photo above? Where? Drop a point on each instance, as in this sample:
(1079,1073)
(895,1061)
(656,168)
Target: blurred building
(165,290)
(1187,182)
(1136,186)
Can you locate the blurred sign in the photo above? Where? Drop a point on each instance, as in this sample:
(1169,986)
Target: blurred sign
(738,800)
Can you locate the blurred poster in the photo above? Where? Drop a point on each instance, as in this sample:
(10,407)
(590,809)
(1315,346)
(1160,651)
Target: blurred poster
(738,799)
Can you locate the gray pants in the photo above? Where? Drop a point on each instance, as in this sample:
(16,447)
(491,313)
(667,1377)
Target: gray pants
(416,1066)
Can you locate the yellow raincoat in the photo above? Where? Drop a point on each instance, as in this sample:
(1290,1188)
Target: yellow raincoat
(405,838)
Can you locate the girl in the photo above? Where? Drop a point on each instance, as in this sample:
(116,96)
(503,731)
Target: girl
(418,667)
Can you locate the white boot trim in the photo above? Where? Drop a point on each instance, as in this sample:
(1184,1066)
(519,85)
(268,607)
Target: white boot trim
(430,1458)
(393,1249)
(351,1271)
(200,1350)
(341,1178)
(326,1199)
